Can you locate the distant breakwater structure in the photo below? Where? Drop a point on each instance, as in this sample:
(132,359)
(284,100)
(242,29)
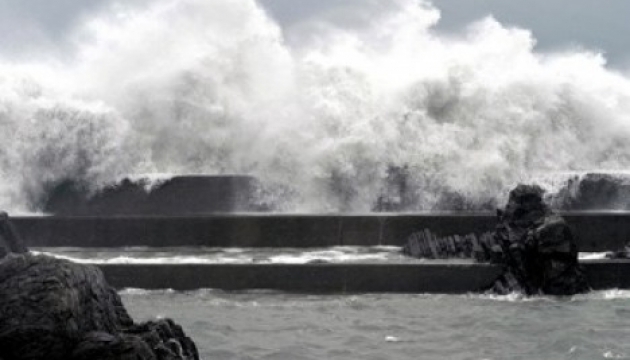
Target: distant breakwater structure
(202,194)
(157,226)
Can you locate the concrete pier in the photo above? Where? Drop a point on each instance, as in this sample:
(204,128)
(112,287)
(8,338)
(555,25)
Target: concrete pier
(594,231)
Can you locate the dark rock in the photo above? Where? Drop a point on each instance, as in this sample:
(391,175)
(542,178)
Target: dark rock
(538,249)
(425,244)
(535,246)
(55,309)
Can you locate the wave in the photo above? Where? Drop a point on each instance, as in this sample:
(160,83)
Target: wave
(390,110)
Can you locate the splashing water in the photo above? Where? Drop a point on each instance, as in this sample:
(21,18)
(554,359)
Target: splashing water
(196,86)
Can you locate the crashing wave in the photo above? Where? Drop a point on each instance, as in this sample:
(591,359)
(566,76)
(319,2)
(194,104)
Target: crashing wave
(212,87)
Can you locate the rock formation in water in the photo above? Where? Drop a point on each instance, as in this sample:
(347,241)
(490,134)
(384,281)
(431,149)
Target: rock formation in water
(539,251)
(535,246)
(58,310)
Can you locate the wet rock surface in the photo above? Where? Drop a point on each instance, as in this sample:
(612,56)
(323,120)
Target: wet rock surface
(56,309)
(534,245)
(538,247)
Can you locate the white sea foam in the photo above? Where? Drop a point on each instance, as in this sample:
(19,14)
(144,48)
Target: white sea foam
(149,181)
(226,256)
(592,255)
(609,294)
(211,86)
(210,255)
(137,291)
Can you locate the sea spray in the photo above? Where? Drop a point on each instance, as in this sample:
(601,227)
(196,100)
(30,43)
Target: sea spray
(212,87)
(48,137)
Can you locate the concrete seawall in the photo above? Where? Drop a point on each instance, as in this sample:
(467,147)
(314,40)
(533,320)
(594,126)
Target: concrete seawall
(430,277)
(595,231)
(308,278)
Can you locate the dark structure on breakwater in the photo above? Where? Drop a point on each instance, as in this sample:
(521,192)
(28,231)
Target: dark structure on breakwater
(176,196)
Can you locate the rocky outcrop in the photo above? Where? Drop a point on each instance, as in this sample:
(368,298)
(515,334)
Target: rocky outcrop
(538,248)
(55,309)
(535,247)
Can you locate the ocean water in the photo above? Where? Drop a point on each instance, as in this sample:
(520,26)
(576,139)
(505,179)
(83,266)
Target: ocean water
(270,325)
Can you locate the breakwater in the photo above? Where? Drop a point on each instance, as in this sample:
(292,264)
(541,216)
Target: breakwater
(595,231)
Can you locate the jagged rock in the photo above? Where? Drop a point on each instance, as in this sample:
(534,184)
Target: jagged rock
(539,250)
(535,246)
(425,244)
(55,309)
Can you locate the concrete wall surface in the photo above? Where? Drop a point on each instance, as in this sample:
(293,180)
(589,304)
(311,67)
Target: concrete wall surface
(435,277)
(594,231)
(307,278)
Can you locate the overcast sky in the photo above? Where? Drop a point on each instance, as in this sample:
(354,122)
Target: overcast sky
(31,26)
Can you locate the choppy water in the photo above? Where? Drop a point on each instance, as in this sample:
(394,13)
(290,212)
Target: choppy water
(392,326)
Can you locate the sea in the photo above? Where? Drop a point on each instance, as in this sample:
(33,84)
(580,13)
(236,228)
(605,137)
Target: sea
(323,115)
(264,324)
(274,325)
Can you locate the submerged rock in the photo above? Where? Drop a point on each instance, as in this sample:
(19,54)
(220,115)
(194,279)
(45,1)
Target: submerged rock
(55,309)
(535,247)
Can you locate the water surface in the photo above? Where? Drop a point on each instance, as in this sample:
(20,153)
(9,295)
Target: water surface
(268,325)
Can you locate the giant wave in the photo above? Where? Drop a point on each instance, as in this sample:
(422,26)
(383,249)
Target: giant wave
(213,87)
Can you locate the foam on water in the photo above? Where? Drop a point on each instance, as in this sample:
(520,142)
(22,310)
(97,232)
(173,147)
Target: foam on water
(206,255)
(610,294)
(209,255)
(197,86)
